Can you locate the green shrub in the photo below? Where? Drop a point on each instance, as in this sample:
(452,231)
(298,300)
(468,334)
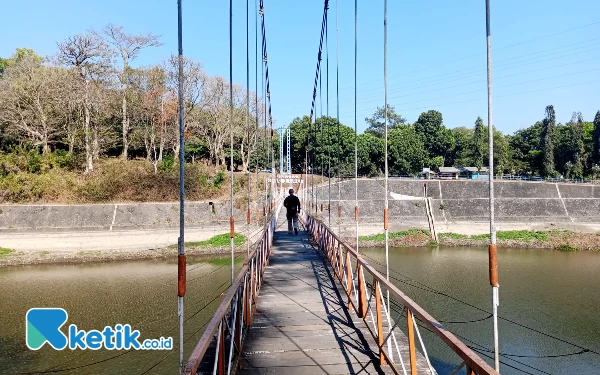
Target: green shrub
(167,163)
(219,178)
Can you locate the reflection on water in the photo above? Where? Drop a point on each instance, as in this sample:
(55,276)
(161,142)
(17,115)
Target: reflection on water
(143,294)
(550,291)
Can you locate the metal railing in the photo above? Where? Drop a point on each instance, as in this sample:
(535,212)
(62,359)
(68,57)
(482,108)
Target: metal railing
(371,302)
(235,312)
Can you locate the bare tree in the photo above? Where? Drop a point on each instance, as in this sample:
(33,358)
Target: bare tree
(90,57)
(149,112)
(128,47)
(30,100)
(193,88)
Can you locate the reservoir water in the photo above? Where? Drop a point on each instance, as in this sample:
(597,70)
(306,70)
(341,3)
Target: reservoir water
(545,292)
(141,293)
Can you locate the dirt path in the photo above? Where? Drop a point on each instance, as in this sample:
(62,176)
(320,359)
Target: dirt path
(72,247)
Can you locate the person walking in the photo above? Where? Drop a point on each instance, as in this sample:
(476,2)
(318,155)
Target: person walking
(292,206)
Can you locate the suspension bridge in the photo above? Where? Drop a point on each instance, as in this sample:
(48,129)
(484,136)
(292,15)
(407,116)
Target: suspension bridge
(310,303)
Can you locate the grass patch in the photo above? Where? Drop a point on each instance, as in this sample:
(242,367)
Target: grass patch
(433,244)
(566,248)
(4,251)
(454,236)
(393,235)
(521,235)
(217,241)
(44,253)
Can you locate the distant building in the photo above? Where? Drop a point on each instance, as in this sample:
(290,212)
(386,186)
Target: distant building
(472,173)
(449,173)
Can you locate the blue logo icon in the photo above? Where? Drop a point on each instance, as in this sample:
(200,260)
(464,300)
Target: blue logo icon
(43,325)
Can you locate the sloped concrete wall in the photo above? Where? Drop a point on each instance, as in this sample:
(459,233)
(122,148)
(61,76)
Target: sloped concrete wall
(115,216)
(467,201)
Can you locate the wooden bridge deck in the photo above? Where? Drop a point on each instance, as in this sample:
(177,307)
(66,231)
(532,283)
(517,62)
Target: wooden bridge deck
(303,325)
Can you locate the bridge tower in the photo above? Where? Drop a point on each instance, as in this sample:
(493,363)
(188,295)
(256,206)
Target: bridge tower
(289,157)
(281,131)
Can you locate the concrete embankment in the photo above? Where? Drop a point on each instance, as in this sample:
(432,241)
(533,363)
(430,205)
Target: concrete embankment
(463,206)
(111,217)
(111,231)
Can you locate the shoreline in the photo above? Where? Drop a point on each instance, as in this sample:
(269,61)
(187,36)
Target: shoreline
(557,240)
(28,258)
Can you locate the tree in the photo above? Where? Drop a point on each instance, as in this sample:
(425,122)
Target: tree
(30,99)
(595,170)
(438,140)
(377,121)
(577,145)
(596,139)
(194,89)
(525,144)
(89,56)
(479,143)
(503,160)
(461,156)
(370,155)
(407,154)
(547,141)
(128,46)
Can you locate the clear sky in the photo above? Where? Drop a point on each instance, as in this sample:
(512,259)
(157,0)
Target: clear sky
(544,51)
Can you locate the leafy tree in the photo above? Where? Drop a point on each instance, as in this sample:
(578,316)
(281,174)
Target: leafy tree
(438,140)
(370,154)
(407,154)
(525,144)
(322,145)
(577,144)
(479,143)
(461,156)
(562,147)
(596,139)
(503,161)
(377,121)
(595,170)
(547,141)
(436,163)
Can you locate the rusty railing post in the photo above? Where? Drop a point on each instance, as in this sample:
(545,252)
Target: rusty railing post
(382,360)
(411,342)
(362,294)
(349,280)
(340,255)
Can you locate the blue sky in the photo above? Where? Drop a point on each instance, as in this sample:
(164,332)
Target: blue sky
(544,51)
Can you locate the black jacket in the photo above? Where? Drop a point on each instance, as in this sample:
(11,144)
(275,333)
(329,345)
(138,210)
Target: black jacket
(292,205)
